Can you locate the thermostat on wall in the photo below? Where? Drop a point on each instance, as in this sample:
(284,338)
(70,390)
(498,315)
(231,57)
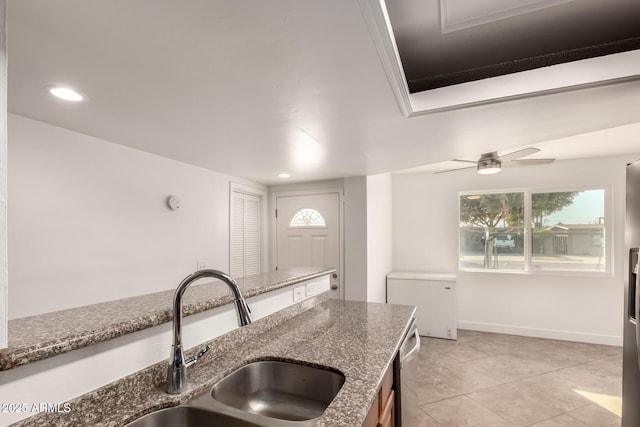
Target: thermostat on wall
(173,202)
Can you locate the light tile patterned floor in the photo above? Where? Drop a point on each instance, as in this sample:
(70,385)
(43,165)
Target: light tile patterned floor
(493,380)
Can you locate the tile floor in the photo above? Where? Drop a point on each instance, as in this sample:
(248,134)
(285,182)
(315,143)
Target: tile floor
(494,380)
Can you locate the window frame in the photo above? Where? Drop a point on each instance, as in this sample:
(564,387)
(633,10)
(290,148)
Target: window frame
(319,226)
(528,232)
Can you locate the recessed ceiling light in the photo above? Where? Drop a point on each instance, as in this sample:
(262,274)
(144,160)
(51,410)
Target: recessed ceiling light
(65,93)
(284,175)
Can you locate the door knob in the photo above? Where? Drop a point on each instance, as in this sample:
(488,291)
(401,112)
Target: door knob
(334,286)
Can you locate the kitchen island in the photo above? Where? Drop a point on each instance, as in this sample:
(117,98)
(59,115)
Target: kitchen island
(358,339)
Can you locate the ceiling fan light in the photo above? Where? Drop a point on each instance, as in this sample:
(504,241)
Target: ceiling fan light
(488,170)
(489,166)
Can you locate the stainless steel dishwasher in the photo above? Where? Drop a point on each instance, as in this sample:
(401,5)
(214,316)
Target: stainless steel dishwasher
(409,377)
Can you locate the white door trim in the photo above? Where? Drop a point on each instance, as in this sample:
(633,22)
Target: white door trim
(310,192)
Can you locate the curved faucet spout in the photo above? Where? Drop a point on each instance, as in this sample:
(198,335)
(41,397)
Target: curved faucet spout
(177,372)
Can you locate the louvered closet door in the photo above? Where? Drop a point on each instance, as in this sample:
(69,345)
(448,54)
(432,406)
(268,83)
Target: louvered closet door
(245,235)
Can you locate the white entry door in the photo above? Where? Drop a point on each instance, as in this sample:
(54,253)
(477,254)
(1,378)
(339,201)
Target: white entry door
(308,234)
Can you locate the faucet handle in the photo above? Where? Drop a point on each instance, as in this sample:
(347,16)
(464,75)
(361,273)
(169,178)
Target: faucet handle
(202,351)
(193,360)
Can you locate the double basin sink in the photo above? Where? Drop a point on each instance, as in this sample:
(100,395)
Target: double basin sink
(266,393)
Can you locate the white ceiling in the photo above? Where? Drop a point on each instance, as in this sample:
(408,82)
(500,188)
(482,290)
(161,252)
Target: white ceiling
(254,88)
(608,142)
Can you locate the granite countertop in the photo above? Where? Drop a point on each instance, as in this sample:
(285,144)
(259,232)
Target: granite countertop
(46,335)
(358,339)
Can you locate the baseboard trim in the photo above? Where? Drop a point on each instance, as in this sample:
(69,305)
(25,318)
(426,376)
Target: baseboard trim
(541,333)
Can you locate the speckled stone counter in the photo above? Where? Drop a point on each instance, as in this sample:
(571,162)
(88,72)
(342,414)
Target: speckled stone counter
(46,335)
(356,338)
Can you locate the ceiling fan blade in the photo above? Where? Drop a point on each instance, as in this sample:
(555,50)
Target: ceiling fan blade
(517,154)
(464,161)
(453,170)
(529,162)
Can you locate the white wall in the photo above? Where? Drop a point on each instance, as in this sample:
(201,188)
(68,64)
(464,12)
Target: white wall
(583,308)
(379,235)
(355,238)
(88,220)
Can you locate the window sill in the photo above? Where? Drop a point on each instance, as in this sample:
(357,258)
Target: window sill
(561,273)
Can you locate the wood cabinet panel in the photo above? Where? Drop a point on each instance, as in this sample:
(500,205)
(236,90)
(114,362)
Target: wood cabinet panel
(373,415)
(387,415)
(385,389)
(382,412)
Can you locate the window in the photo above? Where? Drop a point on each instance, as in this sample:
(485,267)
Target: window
(568,231)
(534,231)
(307,218)
(492,231)
(245,234)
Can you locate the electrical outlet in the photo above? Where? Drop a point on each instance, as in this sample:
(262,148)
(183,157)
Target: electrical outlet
(298,293)
(201,265)
(311,289)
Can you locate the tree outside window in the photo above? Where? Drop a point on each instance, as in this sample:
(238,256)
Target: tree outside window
(492,230)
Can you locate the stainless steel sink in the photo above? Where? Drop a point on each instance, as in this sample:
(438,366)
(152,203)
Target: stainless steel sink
(186,416)
(274,393)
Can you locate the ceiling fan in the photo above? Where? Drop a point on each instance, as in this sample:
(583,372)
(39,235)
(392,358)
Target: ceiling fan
(490,163)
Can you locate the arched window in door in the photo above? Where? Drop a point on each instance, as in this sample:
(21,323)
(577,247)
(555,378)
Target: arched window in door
(307,217)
